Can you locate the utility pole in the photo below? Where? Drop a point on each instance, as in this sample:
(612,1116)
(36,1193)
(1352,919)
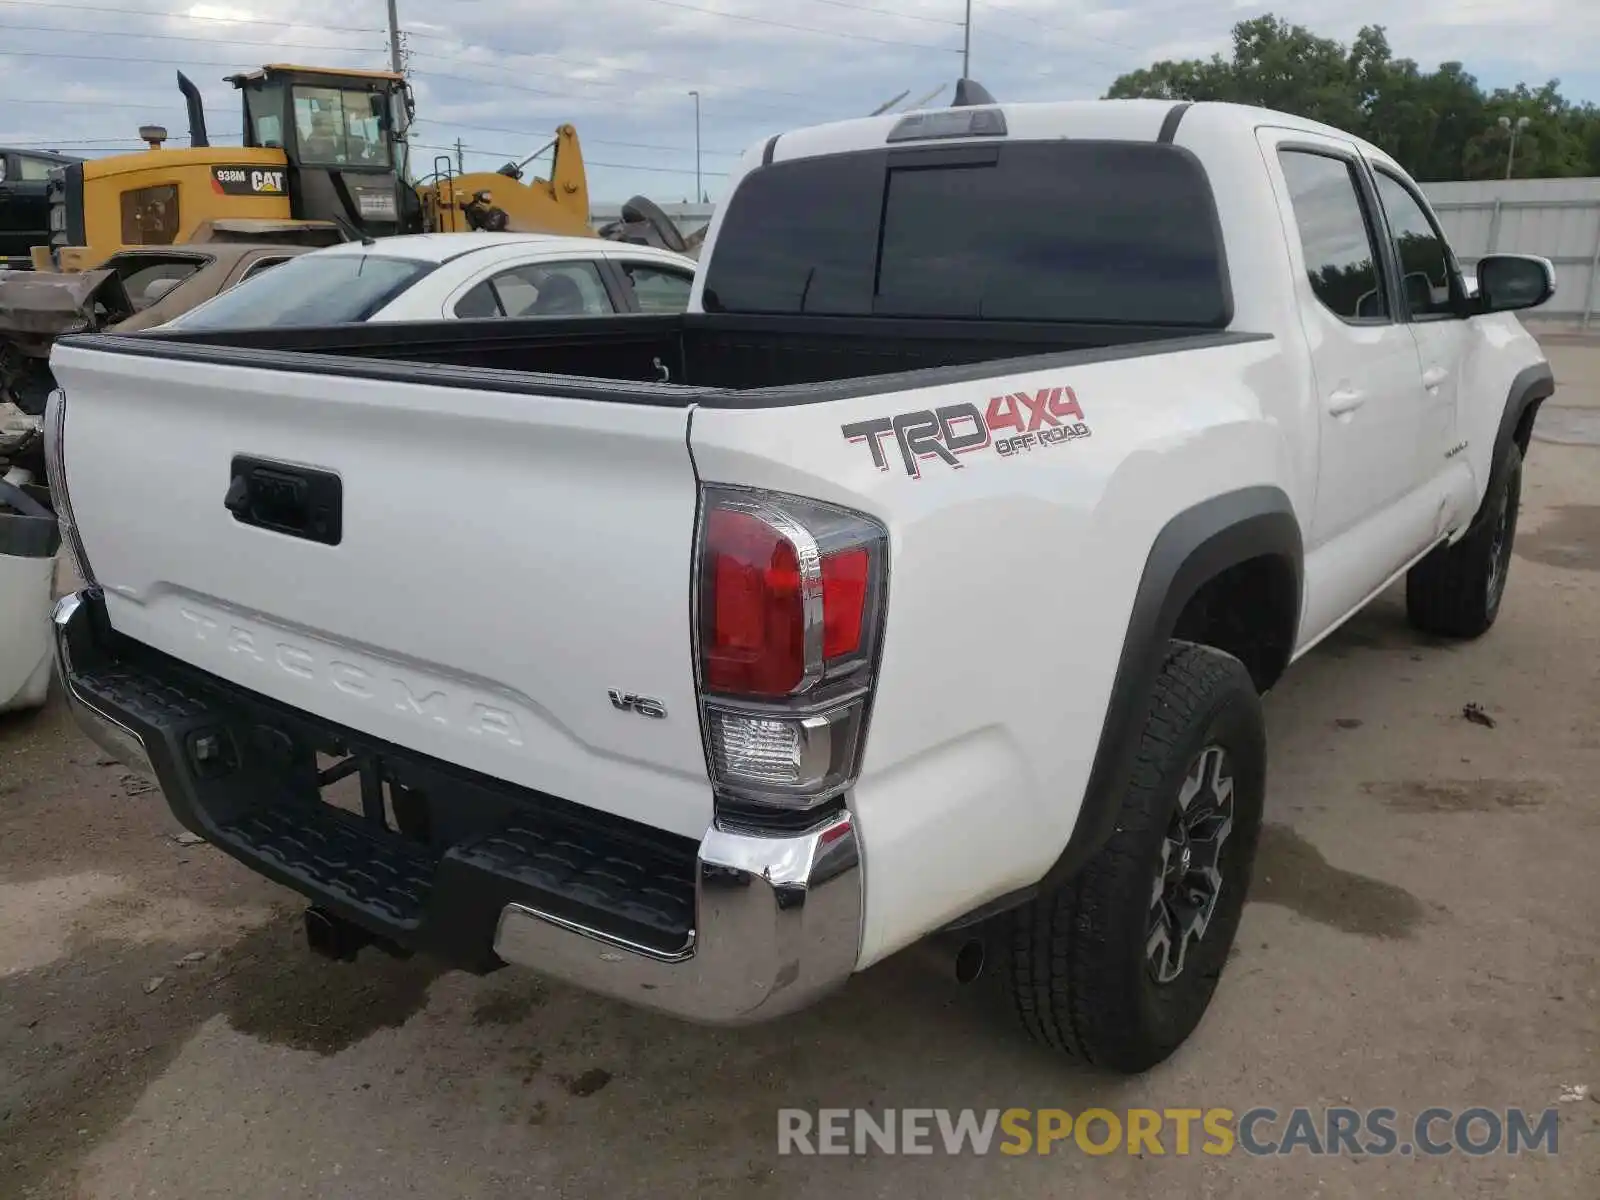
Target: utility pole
(395,63)
(967,42)
(461,168)
(699,191)
(400,106)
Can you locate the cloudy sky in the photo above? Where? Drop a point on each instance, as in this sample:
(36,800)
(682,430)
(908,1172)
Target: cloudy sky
(501,74)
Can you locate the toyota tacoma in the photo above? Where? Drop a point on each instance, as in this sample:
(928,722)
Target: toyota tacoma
(924,576)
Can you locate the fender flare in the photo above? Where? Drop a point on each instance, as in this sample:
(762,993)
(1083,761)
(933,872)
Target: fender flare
(1532,386)
(1192,548)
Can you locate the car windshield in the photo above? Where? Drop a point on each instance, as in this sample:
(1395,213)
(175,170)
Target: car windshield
(340,127)
(313,289)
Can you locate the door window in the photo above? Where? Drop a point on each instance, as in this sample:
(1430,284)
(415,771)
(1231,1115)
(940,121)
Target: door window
(658,289)
(569,289)
(340,127)
(35,170)
(1335,236)
(1425,260)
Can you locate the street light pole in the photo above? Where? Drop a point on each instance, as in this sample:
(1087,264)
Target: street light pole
(699,191)
(1514,129)
(966,44)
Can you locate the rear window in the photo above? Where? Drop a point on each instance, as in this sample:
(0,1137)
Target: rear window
(1122,232)
(313,289)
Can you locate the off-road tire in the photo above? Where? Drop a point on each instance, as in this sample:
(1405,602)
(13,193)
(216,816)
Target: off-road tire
(1077,961)
(1456,591)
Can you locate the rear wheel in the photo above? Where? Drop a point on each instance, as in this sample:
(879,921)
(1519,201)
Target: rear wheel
(1118,965)
(1456,591)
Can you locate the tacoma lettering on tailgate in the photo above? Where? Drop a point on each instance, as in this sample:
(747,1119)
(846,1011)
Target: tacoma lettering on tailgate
(1013,424)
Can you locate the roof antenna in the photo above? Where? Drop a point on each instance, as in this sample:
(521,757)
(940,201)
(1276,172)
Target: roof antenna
(970,92)
(351,233)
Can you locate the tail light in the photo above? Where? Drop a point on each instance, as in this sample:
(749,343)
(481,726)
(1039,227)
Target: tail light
(790,598)
(55,467)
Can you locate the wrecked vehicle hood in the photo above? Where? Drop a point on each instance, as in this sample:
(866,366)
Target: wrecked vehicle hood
(46,304)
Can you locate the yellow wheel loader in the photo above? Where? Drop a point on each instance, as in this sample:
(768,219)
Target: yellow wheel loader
(322,160)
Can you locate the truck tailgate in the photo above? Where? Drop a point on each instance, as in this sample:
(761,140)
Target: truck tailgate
(482,576)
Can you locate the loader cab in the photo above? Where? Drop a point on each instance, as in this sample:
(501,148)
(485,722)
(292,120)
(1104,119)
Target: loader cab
(336,129)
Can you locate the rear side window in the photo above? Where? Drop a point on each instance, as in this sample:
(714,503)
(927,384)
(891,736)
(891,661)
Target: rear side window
(658,289)
(147,283)
(260,265)
(1335,237)
(1122,232)
(555,289)
(1423,253)
(313,289)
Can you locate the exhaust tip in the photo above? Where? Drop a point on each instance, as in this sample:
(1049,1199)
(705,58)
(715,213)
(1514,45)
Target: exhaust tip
(969,960)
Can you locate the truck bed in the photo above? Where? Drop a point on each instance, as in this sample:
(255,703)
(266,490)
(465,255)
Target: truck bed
(720,360)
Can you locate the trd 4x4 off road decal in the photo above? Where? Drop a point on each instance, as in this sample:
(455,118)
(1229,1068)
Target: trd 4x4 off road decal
(1049,417)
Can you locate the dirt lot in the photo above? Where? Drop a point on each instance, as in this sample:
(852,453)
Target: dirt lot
(1422,932)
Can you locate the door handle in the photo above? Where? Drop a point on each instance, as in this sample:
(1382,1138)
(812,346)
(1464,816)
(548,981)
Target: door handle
(1345,400)
(1433,378)
(302,502)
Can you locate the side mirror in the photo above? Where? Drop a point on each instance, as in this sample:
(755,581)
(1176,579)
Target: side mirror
(1509,282)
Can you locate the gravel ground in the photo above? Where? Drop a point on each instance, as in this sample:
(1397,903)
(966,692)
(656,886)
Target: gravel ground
(1421,932)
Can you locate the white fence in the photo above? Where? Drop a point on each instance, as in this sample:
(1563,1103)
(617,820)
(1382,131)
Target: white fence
(1556,218)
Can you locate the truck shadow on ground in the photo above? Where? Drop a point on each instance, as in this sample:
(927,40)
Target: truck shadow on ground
(84,1040)
(83,1036)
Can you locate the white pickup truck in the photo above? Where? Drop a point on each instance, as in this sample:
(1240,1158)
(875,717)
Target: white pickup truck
(923,577)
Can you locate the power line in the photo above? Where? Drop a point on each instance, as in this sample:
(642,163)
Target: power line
(176,37)
(158,62)
(519,87)
(57,6)
(838,33)
(586,141)
(588,162)
(98,143)
(1077,33)
(892,12)
(86,104)
(575,87)
(520,53)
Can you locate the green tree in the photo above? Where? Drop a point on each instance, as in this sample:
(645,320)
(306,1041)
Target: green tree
(1440,124)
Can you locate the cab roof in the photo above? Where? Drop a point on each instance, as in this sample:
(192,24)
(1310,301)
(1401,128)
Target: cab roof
(1119,120)
(270,69)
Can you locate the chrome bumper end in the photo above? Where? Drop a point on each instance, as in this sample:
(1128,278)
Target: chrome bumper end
(778,925)
(116,739)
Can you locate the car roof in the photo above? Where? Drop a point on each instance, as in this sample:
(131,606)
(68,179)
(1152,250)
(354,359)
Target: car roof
(31,152)
(1133,120)
(442,247)
(227,253)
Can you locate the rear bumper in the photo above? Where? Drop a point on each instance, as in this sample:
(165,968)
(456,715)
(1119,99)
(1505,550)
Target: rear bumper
(740,929)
